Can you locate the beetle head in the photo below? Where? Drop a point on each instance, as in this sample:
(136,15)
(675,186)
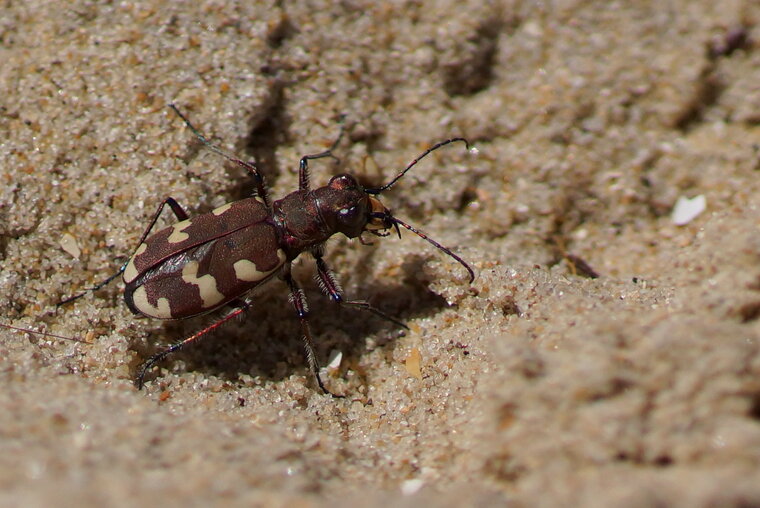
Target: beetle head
(351,209)
(345,205)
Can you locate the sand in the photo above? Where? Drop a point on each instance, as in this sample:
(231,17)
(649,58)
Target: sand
(604,355)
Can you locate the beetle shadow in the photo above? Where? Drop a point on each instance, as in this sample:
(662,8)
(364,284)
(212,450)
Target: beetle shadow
(268,130)
(267,342)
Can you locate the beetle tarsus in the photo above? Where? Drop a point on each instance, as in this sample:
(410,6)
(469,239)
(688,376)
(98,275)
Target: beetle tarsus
(152,361)
(325,390)
(96,287)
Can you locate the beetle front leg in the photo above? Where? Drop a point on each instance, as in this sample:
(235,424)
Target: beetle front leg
(330,285)
(298,299)
(303,166)
(178,212)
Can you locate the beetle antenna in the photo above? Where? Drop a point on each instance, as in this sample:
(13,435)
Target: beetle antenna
(415,161)
(422,235)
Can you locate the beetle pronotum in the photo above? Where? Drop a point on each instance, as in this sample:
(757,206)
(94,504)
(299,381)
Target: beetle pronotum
(216,259)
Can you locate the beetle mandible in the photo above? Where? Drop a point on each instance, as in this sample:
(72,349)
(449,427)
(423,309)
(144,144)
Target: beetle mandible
(216,259)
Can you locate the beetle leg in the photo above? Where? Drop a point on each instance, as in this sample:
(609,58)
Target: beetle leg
(261,188)
(178,212)
(298,299)
(140,379)
(176,208)
(330,285)
(303,166)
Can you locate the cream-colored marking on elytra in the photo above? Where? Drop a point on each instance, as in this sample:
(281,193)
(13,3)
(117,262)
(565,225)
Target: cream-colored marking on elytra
(221,209)
(246,270)
(160,311)
(130,272)
(178,235)
(210,296)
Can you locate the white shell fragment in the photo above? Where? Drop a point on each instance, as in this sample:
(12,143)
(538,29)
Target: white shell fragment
(686,210)
(69,244)
(335,358)
(411,487)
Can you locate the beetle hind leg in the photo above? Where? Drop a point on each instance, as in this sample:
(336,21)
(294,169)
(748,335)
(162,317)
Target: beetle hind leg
(153,360)
(178,212)
(250,167)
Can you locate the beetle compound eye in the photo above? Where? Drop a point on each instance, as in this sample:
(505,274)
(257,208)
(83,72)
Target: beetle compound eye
(351,220)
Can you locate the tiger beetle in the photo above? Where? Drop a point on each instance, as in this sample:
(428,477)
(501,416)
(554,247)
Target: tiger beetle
(216,259)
